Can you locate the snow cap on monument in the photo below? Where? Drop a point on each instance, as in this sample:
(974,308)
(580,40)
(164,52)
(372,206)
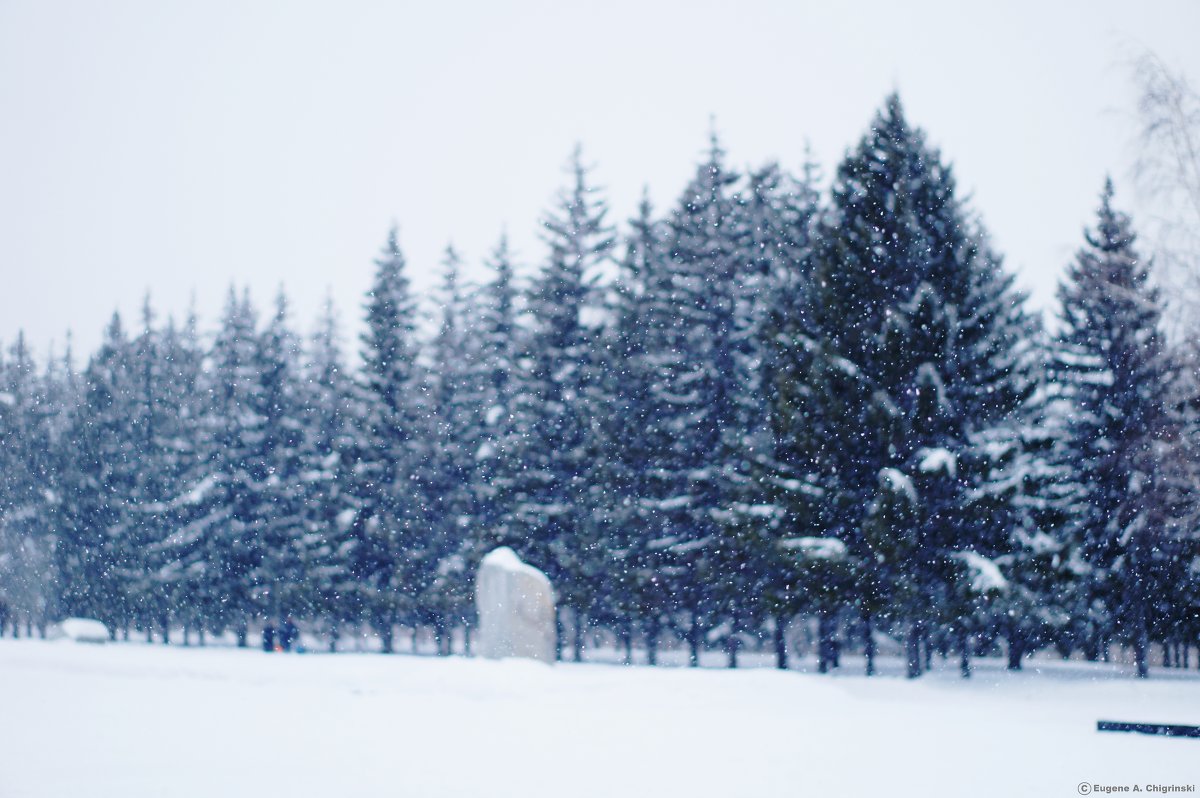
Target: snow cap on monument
(515,602)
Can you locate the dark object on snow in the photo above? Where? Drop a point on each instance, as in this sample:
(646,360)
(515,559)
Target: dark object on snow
(1161,729)
(288,634)
(268,638)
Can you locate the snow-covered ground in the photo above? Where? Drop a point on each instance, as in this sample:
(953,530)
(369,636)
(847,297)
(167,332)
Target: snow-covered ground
(135,720)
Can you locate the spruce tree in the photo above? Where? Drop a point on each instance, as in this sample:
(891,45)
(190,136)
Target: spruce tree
(236,543)
(328,510)
(703,243)
(457,396)
(194,514)
(915,360)
(152,483)
(392,560)
(558,486)
(499,376)
(635,434)
(32,457)
(1114,368)
(98,559)
(771,492)
(281,580)
(181,434)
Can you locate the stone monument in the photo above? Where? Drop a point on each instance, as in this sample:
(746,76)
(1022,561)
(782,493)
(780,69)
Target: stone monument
(515,602)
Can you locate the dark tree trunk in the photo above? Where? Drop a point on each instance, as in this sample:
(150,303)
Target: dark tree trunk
(964,648)
(577,637)
(781,657)
(627,641)
(928,651)
(1016,649)
(1141,647)
(387,635)
(243,633)
(826,646)
(413,640)
(913,651)
(466,639)
(1166,654)
(731,649)
(334,632)
(442,631)
(652,641)
(869,643)
(559,634)
(164,623)
(694,641)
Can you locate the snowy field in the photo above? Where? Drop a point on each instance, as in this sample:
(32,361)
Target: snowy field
(135,720)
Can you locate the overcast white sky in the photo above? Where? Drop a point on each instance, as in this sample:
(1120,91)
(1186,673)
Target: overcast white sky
(176,147)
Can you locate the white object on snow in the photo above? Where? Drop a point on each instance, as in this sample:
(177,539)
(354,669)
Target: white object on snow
(515,602)
(84,630)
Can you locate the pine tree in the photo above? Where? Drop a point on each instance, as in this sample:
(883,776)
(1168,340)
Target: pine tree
(552,507)
(152,481)
(1114,367)
(184,573)
(636,362)
(179,442)
(58,401)
(915,363)
(500,379)
(458,393)
(282,588)
(98,559)
(703,243)
(392,561)
(773,490)
(324,455)
(32,454)
(236,538)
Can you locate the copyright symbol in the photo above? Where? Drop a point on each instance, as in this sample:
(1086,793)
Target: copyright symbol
(1084,788)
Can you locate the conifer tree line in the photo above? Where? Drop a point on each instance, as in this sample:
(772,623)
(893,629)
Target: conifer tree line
(767,403)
